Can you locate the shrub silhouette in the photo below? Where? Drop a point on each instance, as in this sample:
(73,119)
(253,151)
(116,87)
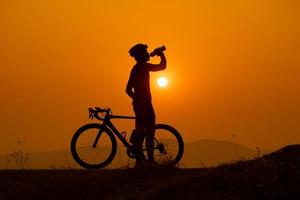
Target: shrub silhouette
(17,159)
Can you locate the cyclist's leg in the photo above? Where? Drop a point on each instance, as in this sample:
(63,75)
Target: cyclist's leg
(150,131)
(138,144)
(139,127)
(150,143)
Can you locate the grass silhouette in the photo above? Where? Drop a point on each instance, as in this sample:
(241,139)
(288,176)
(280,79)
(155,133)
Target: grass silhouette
(17,159)
(272,176)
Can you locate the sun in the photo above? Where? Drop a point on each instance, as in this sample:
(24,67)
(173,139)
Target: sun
(162,82)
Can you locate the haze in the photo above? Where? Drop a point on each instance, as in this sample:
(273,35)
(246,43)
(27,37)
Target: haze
(233,67)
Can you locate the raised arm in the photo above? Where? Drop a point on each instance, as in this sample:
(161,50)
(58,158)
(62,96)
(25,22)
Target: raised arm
(161,66)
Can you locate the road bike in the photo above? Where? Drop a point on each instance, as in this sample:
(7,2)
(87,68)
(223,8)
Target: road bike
(94,146)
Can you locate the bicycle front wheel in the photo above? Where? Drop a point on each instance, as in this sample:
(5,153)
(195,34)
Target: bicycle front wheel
(168,145)
(93,146)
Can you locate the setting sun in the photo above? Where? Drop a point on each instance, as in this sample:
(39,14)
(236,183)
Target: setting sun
(162,82)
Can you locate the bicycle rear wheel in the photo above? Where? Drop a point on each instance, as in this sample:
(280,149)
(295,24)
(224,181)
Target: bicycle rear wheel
(168,145)
(89,154)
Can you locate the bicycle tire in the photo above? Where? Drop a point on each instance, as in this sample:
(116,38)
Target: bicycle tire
(75,148)
(162,131)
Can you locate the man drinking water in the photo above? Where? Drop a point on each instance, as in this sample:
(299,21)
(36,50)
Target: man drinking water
(138,88)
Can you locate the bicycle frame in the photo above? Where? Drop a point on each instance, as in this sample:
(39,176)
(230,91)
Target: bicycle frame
(109,124)
(166,154)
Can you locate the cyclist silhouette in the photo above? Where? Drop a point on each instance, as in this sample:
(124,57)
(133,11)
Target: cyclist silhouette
(138,88)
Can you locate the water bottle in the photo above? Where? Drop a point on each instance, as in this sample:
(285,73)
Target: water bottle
(157,50)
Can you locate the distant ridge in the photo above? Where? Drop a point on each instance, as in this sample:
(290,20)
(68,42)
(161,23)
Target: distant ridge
(206,153)
(201,153)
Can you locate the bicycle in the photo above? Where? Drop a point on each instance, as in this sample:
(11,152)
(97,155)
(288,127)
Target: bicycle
(94,146)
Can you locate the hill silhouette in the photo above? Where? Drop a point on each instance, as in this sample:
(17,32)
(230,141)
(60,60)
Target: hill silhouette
(272,176)
(201,153)
(206,153)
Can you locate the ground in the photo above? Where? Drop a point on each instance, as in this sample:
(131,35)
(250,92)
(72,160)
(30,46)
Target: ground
(273,176)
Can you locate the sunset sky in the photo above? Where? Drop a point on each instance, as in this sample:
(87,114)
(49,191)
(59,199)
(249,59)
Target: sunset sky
(233,67)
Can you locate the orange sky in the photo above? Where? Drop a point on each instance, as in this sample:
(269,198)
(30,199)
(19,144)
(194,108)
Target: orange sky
(233,67)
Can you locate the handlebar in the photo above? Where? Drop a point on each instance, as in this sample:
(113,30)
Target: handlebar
(95,113)
(107,114)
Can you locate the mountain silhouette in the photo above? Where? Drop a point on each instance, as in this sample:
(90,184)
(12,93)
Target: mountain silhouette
(201,153)
(206,153)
